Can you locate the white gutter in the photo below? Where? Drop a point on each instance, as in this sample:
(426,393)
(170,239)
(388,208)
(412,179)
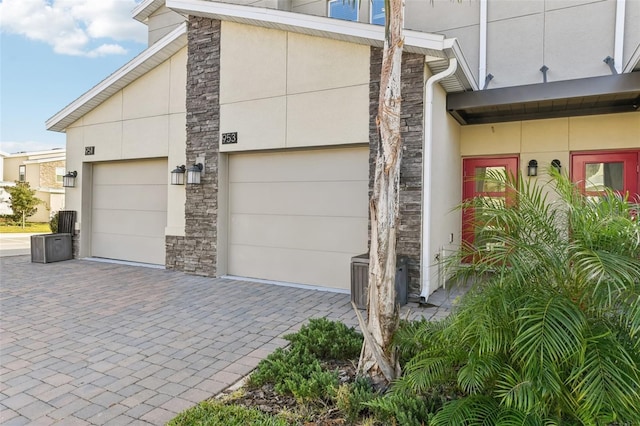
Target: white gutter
(427,148)
(618,43)
(482,69)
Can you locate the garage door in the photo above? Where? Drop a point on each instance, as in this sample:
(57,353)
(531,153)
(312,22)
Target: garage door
(298,216)
(130,210)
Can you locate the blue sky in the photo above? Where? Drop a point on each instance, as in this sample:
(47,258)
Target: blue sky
(51,52)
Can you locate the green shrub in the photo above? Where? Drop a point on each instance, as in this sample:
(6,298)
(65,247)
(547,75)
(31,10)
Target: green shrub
(214,414)
(297,370)
(319,385)
(351,398)
(284,364)
(327,340)
(402,409)
(53,223)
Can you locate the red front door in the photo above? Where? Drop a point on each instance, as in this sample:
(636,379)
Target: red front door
(475,186)
(617,170)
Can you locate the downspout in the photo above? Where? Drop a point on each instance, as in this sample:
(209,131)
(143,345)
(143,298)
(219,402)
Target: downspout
(618,44)
(482,59)
(427,148)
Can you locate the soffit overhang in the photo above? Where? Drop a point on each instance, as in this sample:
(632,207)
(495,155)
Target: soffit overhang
(587,96)
(435,47)
(150,58)
(143,10)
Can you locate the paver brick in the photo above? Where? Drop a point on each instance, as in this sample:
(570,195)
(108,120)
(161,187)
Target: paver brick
(113,344)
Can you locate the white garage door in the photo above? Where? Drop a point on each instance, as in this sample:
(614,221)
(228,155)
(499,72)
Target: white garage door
(298,216)
(130,210)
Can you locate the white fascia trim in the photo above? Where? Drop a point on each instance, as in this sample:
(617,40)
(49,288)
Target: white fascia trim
(634,61)
(35,153)
(44,160)
(142,11)
(133,69)
(356,32)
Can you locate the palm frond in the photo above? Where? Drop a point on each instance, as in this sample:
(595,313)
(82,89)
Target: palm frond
(550,329)
(608,380)
(476,410)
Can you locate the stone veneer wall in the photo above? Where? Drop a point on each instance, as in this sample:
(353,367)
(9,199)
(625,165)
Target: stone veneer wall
(75,244)
(48,174)
(408,243)
(196,252)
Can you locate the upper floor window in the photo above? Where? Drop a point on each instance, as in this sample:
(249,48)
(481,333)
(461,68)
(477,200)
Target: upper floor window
(59,174)
(348,10)
(344,9)
(22,173)
(377,12)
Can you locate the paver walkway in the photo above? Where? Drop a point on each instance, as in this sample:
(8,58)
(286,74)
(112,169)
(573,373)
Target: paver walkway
(85,342)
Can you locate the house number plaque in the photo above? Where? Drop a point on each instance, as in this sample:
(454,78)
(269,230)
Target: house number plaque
(229,138)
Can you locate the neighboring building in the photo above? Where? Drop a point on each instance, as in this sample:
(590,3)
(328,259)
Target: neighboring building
(280,106)
(43,170)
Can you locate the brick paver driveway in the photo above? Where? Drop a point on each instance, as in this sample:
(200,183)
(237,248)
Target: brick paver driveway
(85,342)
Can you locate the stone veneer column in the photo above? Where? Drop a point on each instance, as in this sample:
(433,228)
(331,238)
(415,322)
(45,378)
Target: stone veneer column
(408,243)
(196,253)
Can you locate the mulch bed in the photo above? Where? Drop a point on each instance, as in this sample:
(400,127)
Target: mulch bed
(268,401)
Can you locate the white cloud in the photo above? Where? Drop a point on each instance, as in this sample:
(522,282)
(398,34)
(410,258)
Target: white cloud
(74,27)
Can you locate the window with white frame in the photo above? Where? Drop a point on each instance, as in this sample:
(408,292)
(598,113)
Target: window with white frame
(59,174)
(22,173)
(344,9)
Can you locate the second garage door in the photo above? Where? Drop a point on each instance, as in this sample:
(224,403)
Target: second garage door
(129,213)
(298,216)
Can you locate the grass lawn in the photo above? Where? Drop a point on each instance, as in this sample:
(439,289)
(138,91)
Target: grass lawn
(30,227)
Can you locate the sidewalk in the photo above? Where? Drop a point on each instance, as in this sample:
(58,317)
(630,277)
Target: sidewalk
(15,244)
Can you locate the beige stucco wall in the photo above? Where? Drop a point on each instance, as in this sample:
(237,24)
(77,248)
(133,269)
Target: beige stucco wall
(446,187)
(546,140)
(146,119)
(302,85)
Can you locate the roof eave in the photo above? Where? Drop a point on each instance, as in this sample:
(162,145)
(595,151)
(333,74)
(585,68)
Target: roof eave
(143,10)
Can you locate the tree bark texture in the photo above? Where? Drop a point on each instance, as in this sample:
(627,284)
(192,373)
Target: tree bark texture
(378,359)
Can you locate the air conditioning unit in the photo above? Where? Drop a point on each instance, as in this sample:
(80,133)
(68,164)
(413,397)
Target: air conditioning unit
(47,248)
(360,280)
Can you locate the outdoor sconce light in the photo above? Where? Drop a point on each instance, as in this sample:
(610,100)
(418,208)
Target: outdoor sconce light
(193,174)
(177,175)
(69,180)
(556,164)
(532,169)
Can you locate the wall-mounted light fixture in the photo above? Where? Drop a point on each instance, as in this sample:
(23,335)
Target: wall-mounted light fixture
(69,180)
(556,164)
(532,169)
(193,174)
(177,175)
